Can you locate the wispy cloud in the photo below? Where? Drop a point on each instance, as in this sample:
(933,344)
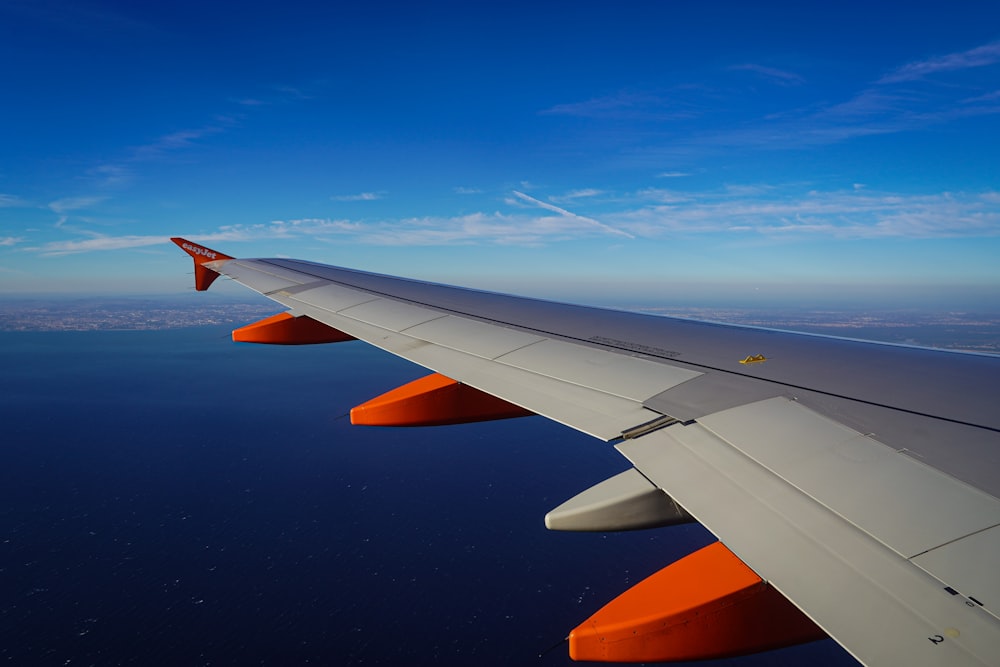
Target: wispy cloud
(475,228)
(661,195)
(572,216)
(518,228)
(842,214)
(98,243)
(905,100)
(294,92)
(281,94)
(11,201)
(894,104)
(626,105)
(987,97)
(83,20)
(761,213)
(771,74)
(7,241)
(116,174)
(178,140)
(67,204)
(980,56)
(586,192)
(361,196)
(110,176)
(575,195)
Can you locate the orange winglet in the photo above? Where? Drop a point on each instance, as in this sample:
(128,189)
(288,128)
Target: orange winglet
(706,605)
(434,400)
(203,276)
(287,329)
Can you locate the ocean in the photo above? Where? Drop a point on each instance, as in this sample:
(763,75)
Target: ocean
(171,498)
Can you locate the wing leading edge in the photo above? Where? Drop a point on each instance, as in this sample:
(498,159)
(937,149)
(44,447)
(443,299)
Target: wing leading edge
(860,480)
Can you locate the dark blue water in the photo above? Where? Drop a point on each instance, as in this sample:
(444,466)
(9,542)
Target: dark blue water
(170,498)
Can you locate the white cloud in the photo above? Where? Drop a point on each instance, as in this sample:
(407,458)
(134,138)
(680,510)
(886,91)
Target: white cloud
(7,241)
(772,74)
(844,214)
(63,207)
(293,93)
(905,100)
(981,56)
(67,204)
(662,196)
(172,142)
(824,214)
(110,175)
(765,212)
(744,190)
(987,97)
(625,105)
(56,248)
(11,201)
(276,229)
(496,228)
(578,194)
(361,196)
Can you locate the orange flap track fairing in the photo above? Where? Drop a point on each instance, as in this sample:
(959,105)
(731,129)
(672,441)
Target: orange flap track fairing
(286,329)
(706,605)
(434,400)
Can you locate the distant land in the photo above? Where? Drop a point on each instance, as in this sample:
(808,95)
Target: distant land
(959,329)
(126,313)
(954,330)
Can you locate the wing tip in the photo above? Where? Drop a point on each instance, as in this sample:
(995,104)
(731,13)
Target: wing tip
(203,276)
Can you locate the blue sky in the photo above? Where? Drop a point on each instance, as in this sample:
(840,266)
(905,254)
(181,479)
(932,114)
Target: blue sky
(591,151)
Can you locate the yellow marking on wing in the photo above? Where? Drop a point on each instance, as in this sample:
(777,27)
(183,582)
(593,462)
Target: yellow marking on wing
(753,359)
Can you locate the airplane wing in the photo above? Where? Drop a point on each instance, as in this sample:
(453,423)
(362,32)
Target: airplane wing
(853,485)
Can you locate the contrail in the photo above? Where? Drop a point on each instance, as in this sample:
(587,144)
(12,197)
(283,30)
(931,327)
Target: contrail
(570,214)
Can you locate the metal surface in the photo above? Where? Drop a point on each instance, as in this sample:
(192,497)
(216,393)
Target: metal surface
(710,392)
(617,374)
(906,505)
(627,501)
(879,606)
(483,340)
(267,277)
(390,314)
(969,565)
(590,410)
